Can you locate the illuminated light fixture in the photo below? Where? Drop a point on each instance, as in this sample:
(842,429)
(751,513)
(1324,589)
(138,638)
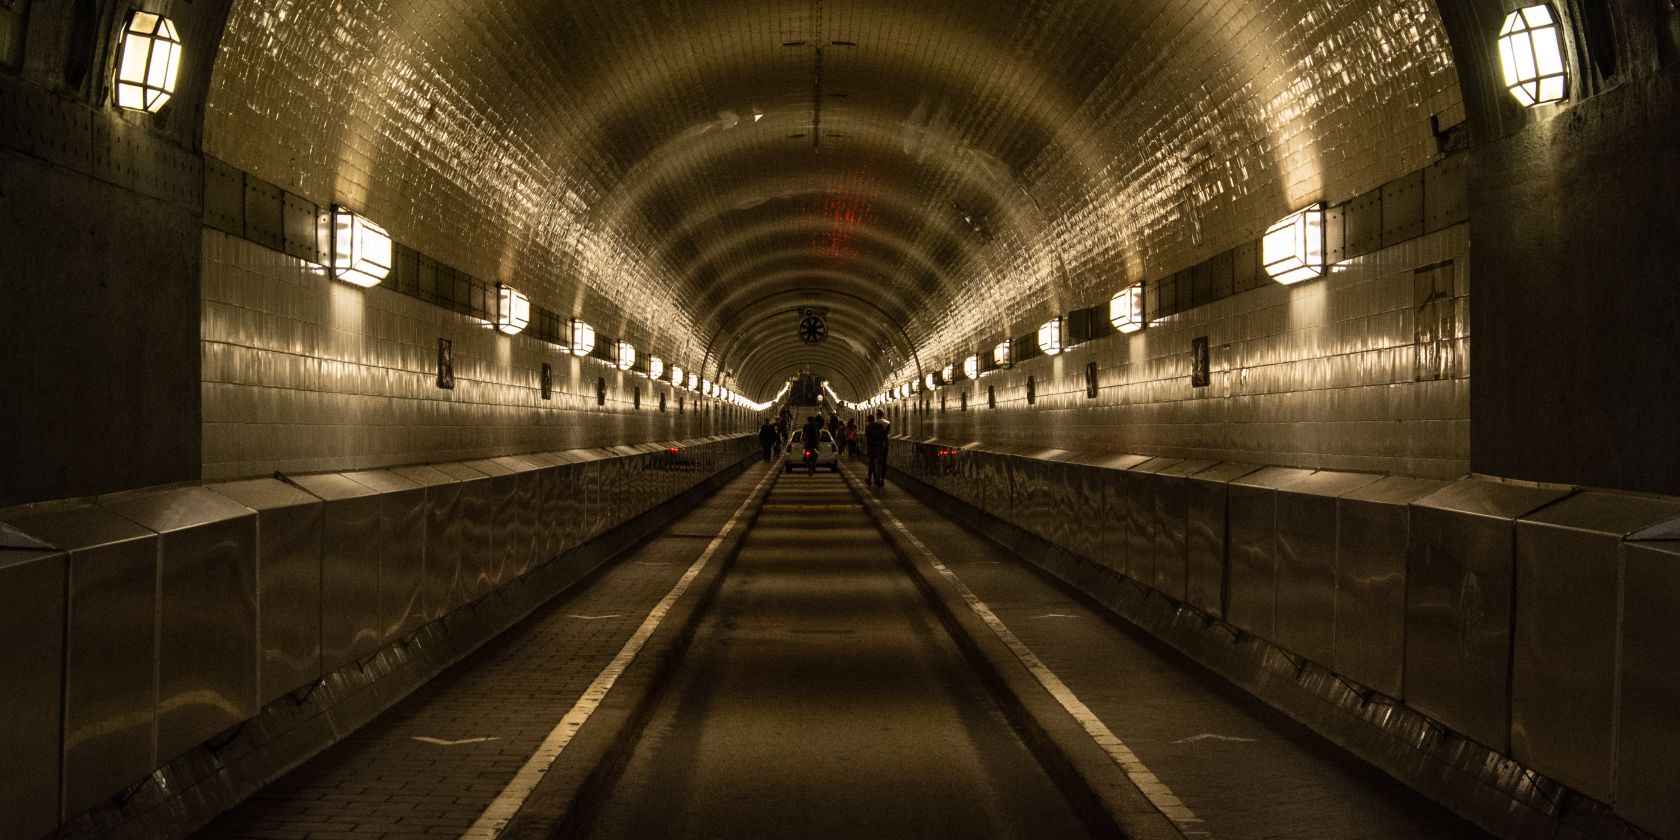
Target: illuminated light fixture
(361,250)
(148,61)
(513,310)
(971,367)
(626,355)
(1293,249)
(1125,310)
(656,367)
(1050,336)
(676,376)
(1531,51)
(1000,354)
(930,382)
(693,381)
(706,387)
(583,338)
(948,373)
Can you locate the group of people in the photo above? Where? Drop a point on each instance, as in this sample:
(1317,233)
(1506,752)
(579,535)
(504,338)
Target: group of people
(870,441)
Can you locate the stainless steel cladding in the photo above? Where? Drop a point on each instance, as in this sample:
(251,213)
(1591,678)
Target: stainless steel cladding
(1086,505)
(1563,668)
(1206,496)
(1372,529)
(441,585)
(1458,604)
(1252,572)
(1141,514)
(569,503)
(475,521)
(1172,527)
(548,534)
(402,551)
(596,505)
(1116,523)
(33,577)
(1306,561)
(524,485)
(501,550)
(1647,740)
(350,625)
(288,583)
(110,650)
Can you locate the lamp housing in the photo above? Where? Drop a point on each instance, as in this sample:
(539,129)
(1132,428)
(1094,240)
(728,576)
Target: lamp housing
(626,355)
(1531,54)
(583,338)
(930,382)
(1125,309)
(361,250)
(656,367)
(513,310)
(148,62)
(1001,354)
(971,367)
(1050,336)
(1293,248)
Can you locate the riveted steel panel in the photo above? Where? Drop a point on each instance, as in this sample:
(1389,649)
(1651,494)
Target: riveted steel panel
(1206,500)
(289,525)
(33,580)
(207,611)
(224,197)
(1445,192)
(1402,208)
(302,219)
(1252,573)
(1306,561)
(1459,566)
(1362,218)
(1647,776)
(1172,527)
(1563,667)
(469,526)
(443,527)
(1141,482)
(110,648)
(402,551)
(350,521)
(1335,233)
(264,222)
(1372,529)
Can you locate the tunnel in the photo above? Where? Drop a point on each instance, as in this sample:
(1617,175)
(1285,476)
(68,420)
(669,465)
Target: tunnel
(392,386)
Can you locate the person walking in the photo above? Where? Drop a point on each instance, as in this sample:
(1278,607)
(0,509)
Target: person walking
(851,433)
(875,437)
(768,438)
(811,436)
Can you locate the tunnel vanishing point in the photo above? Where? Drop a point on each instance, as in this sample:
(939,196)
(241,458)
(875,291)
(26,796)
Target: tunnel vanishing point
(342,336)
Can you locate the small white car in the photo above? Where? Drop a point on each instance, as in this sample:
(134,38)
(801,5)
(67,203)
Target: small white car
(827,452)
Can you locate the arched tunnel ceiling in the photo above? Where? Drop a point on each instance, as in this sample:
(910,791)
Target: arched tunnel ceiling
(690,173)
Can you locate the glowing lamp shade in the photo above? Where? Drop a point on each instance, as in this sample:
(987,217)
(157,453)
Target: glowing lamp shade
(1293,249)
(971,367)
(1125,310)
(361,250)
(693,381)
(929,381)
(1050,336)
(513,310)
(706,387)
(1531,52)
(148,61)
(1000,355)
(656,367)
(948,373)
(583,338)
(626,355)
(676,375)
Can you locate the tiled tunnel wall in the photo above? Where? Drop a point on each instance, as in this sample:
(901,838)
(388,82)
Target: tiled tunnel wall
(1366,369)
(1468,634)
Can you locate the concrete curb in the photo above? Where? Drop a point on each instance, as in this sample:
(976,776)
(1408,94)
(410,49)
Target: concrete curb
(564,802)
(1101,794)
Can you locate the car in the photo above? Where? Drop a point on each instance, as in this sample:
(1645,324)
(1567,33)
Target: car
(827,452)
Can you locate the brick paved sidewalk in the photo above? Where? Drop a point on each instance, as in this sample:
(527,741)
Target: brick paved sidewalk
(1244,769)
(429,766)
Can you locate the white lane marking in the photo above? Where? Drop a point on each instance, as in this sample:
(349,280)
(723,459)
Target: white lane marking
(593,617)
(1055,615)
(495,818)
(651,563)
(427,739)
(1209,736)
(1153,788)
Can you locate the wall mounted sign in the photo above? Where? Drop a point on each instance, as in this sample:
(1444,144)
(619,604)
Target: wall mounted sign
(1200,374)
(446,363)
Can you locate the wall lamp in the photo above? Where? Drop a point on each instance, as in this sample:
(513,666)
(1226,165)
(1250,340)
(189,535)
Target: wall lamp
(656,367)
(1293,248)
(971,367)
(693,381)
(948,373)
(1050,336)
(513,310)
(583,338)
(930,382)
(1001,355)
(1531,53)
(148,62)
(1125,310)
(626,355)
(676,375)
(361,250)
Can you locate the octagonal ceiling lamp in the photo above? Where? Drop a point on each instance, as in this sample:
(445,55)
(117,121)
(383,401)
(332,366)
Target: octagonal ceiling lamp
(656,367)
(148,62)
(583,338)
(1125,310)
(971,367)
(1000,354)
(1050,336)
(1293,248)
(513,310)
(1531,53)
(361,250)
(626,355)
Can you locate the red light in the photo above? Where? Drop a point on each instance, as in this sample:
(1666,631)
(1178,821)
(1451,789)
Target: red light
(673,450)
